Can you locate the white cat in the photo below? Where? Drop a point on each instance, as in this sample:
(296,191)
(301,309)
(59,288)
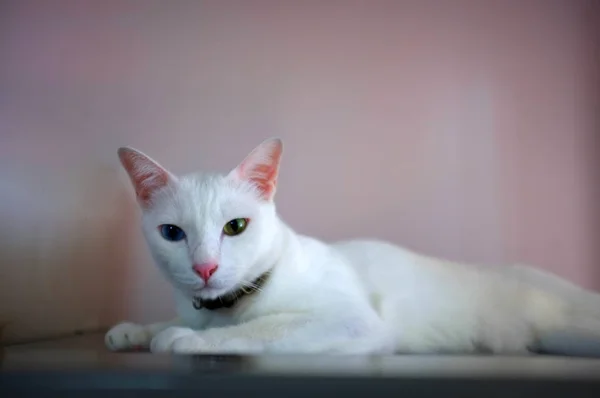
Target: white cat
(247,283)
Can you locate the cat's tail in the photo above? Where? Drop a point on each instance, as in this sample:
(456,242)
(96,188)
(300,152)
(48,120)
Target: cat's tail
(580,340)
(578,334)
(574,327)
(575,297)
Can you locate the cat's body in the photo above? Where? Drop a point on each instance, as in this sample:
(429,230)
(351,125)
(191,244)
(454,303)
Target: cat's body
(349,297)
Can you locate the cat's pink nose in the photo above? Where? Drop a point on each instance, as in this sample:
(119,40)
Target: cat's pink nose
(205,270)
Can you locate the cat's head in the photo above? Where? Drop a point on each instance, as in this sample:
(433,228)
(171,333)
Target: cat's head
(209,233)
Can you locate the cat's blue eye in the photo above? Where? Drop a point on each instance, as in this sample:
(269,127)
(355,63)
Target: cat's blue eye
(171,232)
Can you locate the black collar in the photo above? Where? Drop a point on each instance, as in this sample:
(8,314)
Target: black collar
(230,299)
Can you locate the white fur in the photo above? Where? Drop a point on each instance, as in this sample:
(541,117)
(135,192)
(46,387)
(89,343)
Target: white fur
(349,297)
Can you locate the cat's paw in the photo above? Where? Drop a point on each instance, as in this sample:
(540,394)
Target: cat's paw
(127,336)
(178,340)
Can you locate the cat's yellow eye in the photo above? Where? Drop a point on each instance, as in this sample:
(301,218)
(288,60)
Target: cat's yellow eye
(235,227)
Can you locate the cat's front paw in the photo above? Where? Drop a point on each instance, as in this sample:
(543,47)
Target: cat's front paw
(178,340)
(127,336)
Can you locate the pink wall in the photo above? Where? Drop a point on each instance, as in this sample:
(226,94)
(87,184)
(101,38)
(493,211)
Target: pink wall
(462,129)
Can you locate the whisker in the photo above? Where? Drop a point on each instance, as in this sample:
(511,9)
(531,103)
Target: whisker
(250,284)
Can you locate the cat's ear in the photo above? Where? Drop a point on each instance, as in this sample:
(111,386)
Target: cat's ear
(261,167)
(146,175)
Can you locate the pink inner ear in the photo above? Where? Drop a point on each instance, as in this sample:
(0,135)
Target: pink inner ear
(147,183)
(146,176)
(261,168)
(265,179)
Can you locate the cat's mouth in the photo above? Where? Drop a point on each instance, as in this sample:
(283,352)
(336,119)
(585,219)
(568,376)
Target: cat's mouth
(209,292)
(210,289)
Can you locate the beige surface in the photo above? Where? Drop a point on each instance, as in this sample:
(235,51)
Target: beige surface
(88,351)
(459,128)
(78,352)
(93,342)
